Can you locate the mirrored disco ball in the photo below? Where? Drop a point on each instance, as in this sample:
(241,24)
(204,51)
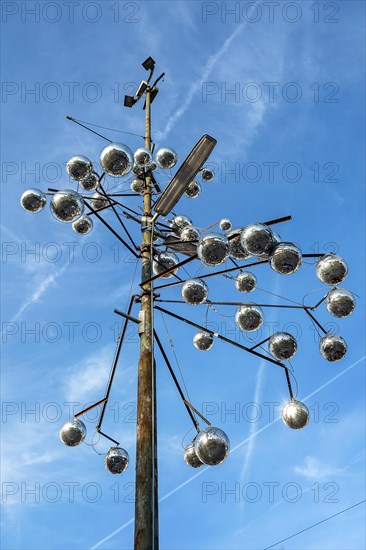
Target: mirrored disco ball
(190,233)
(193,190)
(190,456)
(79,167)
(151,167)
(245,281)
(116,460)
(166,158)
(33,200)
(194,291)
(276,238)
(282,345)
(213,249)
(249,318)
(138,186)
(142,156)
(285,258)
(98,201)
(207,174)
(164,261)
(116,159)
(91,182)
(236,250)
(340,302)
(83,225)
(295,414)
(332,347)
(137,170)
(331,269)
(203,340)
(212,446)
(67,205)
(225,225)
(257,239)
(180,222)
(73,433)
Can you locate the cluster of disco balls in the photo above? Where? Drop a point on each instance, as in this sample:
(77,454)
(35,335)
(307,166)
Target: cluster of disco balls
(73,433)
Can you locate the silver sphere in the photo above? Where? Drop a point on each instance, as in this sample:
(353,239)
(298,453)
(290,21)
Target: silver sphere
(194,291)
(332,347)
(190,456)
(164,261)
(282,345)
(98,201)
(83,225)
(213,249)
(91,182)
(340,302)
(79,167)
(116,460)
(207,174)
(193,190)
(276,238)
(138,186)
(285,258)
(225,225)
(151,167)
(166,158)
(245,281)
(138,170)
(212,446)
(179,223)
(202,340)
(33,200)
(190,233)
(295,414)
(73,433)
(257,239)
(116,159)
(249,318)
(67,205)
(236,250)
(331,269)
(142,157)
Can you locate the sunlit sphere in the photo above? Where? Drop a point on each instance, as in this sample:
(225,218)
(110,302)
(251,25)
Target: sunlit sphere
(116,159)
(207,174)
(83,225)
(285,258)
(245,281)
(180,222)
(295,414)
(340,302)
(331,269)
(212,446)
(142,157)
(203,340)
(194,291)
(67,205)
(193,190)
(257,239)
(116,460)
(333,347)
(164,261)
(166,158)
(98,201)
(137,170)
(225,225)
(33,200)
(282,345)
(73,432)
(138,186)
(249,318)
(191,457)
(236,250)
(91,182)
(79,167)
(213,249)
(190,233)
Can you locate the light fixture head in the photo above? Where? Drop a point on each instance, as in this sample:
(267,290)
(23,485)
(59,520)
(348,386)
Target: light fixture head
(141,89)
(148,64)
(129,101)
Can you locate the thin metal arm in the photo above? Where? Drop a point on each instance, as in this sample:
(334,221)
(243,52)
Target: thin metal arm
(316,321)
(91,407)
(289,383)
(86,128)
(209,302)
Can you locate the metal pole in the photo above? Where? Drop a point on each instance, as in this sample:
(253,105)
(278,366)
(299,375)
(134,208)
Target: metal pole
(146,501)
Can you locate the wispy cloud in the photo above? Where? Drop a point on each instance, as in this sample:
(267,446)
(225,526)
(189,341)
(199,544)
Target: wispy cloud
(314,468)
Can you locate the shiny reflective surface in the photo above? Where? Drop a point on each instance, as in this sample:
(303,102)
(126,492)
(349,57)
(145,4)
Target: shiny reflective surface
(213,249)
(236,250)
(212,446)
(194,291)
(193,190)
(245,281)
(295,414)
(138,186)
(116,159)
(190,233)
(163,261)
(98,201)
(67,205)
(285,258)
(331,269)
(73,433)
(340,302)
(225,225)
(257,239)
(78,167)
(333,347)
(249,318)
(138,170)
(91,182)
(166,158)
(33,200)
(83,225)
(282,345)
(207,174)
(203,340)
(142,157)
(190,456)
(180,222)
(116,460)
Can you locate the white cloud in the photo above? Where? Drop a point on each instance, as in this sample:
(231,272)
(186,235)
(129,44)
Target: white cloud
(313,468)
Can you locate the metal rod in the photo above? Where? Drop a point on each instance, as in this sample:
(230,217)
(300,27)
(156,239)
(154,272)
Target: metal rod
(86,127)
(315,321)
(208,302)
(278,220)
(107,436)
(196,411)
(126,316)
(289,383)
(91,407)
(260,343)
(320,302)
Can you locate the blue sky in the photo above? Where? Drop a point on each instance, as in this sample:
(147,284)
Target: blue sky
(303,65)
